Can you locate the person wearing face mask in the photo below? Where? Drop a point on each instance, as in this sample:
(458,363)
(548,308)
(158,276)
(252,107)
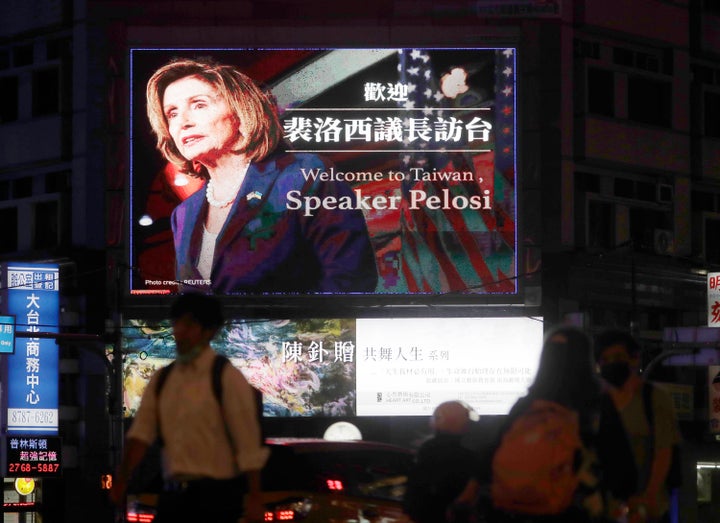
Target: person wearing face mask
(211,449)
(618,356)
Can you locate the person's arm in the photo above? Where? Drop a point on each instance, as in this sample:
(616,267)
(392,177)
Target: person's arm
(666,434)
(658,473)
(133,454)
(242,420)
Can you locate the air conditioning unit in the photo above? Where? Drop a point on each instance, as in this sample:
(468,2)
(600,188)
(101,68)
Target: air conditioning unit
(663,242)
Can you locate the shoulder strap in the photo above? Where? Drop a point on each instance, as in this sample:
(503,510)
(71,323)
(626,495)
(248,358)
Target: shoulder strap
(162,378)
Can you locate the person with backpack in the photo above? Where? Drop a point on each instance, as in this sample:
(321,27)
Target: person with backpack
(648,417)
(543,466)
(212,450)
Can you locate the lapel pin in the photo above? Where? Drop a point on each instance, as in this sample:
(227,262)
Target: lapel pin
(255,195)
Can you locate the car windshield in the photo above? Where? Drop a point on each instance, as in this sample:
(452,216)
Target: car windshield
(367,473)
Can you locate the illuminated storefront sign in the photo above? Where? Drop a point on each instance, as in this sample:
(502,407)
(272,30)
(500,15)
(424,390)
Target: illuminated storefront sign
(33,456)
(32,292)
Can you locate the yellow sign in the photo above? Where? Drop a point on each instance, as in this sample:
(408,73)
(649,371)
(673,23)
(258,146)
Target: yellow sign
(24,486)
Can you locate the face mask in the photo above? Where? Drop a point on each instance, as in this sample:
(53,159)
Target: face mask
(190,355)
(616,373)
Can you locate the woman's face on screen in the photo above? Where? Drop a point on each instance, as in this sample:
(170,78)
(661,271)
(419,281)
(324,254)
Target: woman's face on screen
(200,122)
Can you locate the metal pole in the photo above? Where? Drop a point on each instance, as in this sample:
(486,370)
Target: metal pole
(116,387)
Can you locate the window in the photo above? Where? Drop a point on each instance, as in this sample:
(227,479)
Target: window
(4,59)
(653,60)
(46,92)
(23,55)
(46,225)
(703,201)
(600,225)
(8,99)
(601,91)
(586,49)
(9,237)
(643,224)
(636,190)
(712,6)
(56,48)
(703,74)
(711,113)
(57,182)
(623,56)
(710,240)
(22,187)
(649,101)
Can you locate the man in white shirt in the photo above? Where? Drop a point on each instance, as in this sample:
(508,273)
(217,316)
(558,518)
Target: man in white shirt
(212,451)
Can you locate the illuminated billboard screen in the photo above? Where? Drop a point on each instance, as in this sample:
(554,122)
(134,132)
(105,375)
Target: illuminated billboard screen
(359,367)
(276,172)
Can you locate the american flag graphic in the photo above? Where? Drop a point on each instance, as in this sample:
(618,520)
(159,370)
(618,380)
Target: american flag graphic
(452,249)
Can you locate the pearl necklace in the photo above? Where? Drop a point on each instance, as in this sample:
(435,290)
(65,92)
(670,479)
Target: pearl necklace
(210,191)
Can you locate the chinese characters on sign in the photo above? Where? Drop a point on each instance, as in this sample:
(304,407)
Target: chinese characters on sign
(408,366)
(713,299)
(343,351)
(32,291)
(33,456)
(377,92)
(388,129)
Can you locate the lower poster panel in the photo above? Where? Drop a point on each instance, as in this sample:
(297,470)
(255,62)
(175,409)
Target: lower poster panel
(360,367)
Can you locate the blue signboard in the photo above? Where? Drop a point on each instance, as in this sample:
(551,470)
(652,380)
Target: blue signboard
(32,395)
(7,334)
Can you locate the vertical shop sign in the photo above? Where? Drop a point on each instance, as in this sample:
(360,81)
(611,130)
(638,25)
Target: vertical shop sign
(32,292)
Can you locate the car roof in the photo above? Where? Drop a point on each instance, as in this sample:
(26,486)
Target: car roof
(323,445)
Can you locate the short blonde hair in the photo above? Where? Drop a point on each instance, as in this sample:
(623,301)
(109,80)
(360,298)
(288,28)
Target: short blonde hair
(253,107)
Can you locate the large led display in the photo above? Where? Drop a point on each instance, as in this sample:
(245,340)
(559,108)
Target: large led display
(274,172)
(359,367)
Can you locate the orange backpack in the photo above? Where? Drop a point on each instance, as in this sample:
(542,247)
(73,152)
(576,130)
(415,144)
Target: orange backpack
(535,468)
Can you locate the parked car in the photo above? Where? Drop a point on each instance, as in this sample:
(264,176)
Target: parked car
(315,480)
